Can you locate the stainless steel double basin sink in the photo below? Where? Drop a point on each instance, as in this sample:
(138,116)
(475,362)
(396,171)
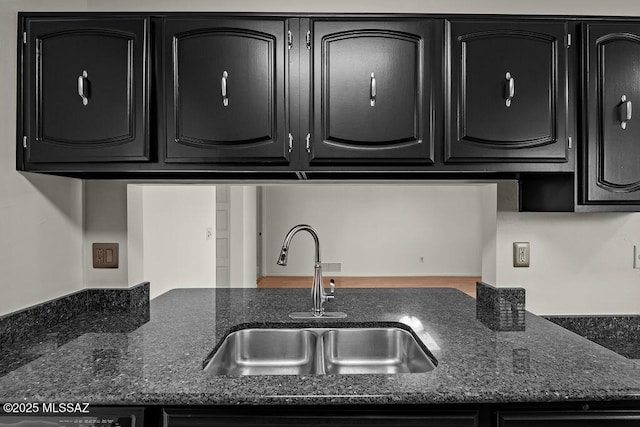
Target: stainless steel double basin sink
(320,351)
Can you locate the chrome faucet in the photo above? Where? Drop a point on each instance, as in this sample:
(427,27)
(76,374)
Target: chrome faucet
(318,294)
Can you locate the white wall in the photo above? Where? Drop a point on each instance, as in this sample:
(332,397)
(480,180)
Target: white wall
(105,221)
(380,230)
(40,216)
(243,235)
(580,264)
(488,208)
(41,235)
(135,235)
(176,251)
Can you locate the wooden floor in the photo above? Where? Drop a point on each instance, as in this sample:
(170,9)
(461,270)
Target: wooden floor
(466,284)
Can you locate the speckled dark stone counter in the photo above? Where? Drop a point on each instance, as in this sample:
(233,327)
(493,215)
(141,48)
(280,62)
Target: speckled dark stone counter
(40,319)
(615,332)
(161,362)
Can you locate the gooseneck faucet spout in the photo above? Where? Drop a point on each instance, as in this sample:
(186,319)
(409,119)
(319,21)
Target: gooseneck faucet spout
(284,253)
(318,295)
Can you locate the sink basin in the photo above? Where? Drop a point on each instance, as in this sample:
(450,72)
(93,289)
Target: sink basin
(319,351)
(373,351)
(265,352)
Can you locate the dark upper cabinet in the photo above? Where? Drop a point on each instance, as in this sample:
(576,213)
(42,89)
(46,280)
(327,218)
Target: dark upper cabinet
(611,60)
(226,88)
(507,85)
(372,94)
(85,90)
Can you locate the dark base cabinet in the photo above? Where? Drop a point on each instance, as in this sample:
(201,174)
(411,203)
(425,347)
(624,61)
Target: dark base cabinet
(569,414)
(316,416)
(569,419)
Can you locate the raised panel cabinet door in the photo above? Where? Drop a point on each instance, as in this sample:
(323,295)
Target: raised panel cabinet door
(507,85)
(372,95)
(86,90)
(612,70)
(226,88)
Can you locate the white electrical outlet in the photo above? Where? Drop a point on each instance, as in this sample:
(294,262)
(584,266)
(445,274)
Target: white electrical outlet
(636,257)
(521,254)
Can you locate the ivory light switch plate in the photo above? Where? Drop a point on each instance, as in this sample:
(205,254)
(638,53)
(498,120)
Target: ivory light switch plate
(521,254)
(105,255)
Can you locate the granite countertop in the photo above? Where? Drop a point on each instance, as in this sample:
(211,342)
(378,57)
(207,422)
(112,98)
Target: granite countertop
(161,362)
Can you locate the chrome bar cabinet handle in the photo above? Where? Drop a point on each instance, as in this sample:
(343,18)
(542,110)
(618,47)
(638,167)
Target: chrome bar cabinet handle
(223,87)
(372,90)
(83,84)
(625,111)
(509,89)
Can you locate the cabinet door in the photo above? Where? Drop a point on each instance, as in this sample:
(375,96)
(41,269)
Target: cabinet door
(612,61)
(569,419)
(226,87)
(372,94)
(507,83)
(320,415)
(86,90)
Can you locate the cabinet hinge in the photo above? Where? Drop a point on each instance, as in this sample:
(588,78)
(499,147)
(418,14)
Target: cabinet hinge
(290,142)
(568,40)
(24,141)
(308,39)
(24,37)
(290,39)
(570,142)
(308,139)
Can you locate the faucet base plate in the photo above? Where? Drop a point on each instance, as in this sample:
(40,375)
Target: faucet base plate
(325,315)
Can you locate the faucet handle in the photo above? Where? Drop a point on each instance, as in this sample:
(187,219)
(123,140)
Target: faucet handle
(332,290)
